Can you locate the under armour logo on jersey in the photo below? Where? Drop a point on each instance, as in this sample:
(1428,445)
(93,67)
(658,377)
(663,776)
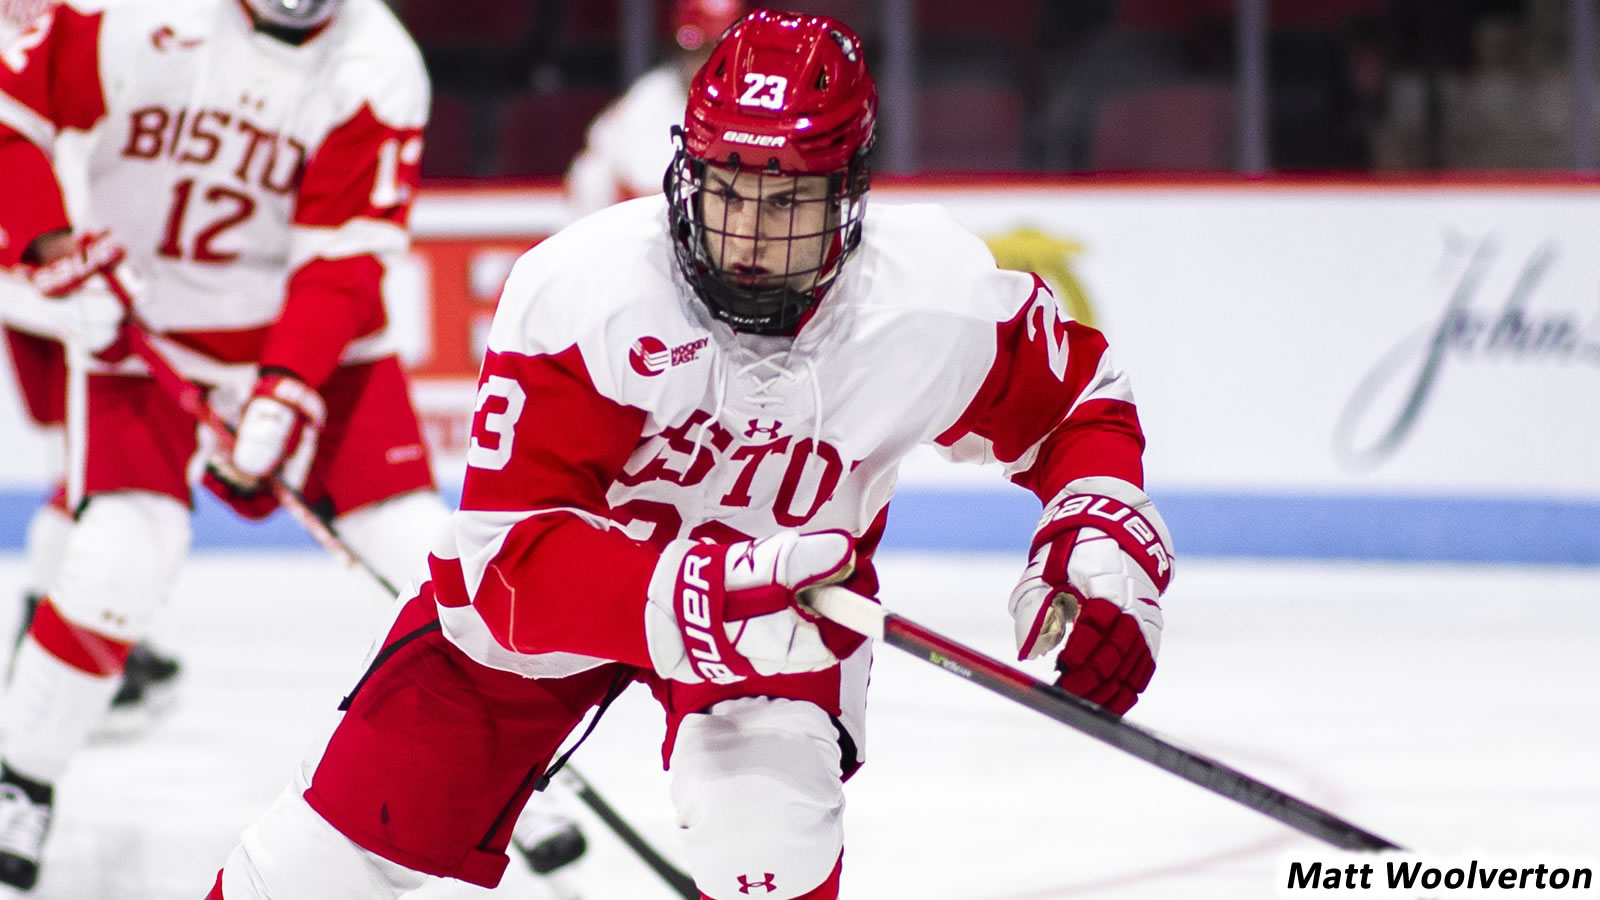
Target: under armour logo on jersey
(756,428)
(747,558)
(650,357)
(745,884)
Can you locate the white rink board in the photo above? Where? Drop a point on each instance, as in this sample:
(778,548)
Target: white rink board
(1277,335)
(1308,361)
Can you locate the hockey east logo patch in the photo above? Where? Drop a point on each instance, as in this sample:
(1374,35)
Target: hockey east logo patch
(650,356)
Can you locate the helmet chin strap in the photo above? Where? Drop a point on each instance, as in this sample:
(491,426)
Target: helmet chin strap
(775,312)
(292,36)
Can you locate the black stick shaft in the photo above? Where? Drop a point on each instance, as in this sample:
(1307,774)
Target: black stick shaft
(865,616)
(1112,729)
(681,883)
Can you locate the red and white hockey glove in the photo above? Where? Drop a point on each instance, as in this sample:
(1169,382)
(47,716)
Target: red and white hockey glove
(1100,560)
(726,612)
(255,502)
(277,435)
(86,311)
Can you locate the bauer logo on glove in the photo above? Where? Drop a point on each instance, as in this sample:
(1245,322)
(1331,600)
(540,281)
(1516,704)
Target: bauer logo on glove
(1100,560)
(1108,514)
(726,612)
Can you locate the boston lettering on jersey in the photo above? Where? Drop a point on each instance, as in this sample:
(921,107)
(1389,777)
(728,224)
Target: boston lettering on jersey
(683,460)
(254,154)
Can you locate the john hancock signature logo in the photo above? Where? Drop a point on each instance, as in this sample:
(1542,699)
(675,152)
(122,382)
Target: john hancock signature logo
(1463,333)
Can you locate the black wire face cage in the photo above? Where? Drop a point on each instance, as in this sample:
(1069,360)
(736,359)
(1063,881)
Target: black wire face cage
(770,290)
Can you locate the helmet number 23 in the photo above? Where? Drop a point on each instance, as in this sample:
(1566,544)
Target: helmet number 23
(765,91)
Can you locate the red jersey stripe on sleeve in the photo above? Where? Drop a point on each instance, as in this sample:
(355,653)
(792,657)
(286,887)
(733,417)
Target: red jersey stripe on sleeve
(365,169)
(53,68)
(33,204)
(561,585)
(1044,366)
(543,439)
(1101,437)
(329,304)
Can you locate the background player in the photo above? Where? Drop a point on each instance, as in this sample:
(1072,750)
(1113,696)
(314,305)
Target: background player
(38,363)
(628,146)
(248,172)
(748,378)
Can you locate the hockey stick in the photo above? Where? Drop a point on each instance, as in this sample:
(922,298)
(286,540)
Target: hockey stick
(191,399)
(867,617)
(669,873)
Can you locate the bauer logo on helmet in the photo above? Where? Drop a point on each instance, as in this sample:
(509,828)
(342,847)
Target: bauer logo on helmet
(754,140)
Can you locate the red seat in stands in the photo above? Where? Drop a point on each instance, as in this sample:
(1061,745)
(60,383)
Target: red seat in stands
(1186,127)
(540,133)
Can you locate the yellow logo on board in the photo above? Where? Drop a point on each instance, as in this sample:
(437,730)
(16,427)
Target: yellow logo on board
(1031,250)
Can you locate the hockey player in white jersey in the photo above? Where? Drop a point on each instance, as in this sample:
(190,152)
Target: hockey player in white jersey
(692,409)
(627,146)
(248,171)
(38,363)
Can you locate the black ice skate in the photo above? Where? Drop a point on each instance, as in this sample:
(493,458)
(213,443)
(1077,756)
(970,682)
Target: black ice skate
(147,690)
(25,807)
(548,842)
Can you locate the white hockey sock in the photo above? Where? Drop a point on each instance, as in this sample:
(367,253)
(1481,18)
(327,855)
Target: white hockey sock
(49,709)
(394,535)
(292,853)
(46,544)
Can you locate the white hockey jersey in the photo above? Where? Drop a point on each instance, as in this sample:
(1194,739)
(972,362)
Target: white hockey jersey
(614,414)
(224,159)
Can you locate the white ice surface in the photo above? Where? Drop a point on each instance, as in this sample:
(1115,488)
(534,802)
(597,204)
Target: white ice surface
(1446,708)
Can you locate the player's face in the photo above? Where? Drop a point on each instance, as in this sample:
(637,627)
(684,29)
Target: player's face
(767,231)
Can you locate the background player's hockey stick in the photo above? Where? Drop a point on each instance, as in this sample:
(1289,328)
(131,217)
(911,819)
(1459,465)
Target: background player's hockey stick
(669,873)
(191,399)
(864,616)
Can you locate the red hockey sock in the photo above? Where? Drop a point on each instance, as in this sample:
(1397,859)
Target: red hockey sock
(84,650)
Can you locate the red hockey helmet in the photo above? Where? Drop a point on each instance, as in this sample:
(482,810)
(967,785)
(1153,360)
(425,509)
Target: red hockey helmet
(783,99)
(696,23)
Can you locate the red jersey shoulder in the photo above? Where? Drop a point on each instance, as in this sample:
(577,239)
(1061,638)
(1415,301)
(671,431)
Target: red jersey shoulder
(376,95)
(50,72)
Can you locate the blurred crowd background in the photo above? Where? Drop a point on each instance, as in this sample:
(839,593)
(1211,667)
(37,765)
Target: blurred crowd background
(1071,86)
